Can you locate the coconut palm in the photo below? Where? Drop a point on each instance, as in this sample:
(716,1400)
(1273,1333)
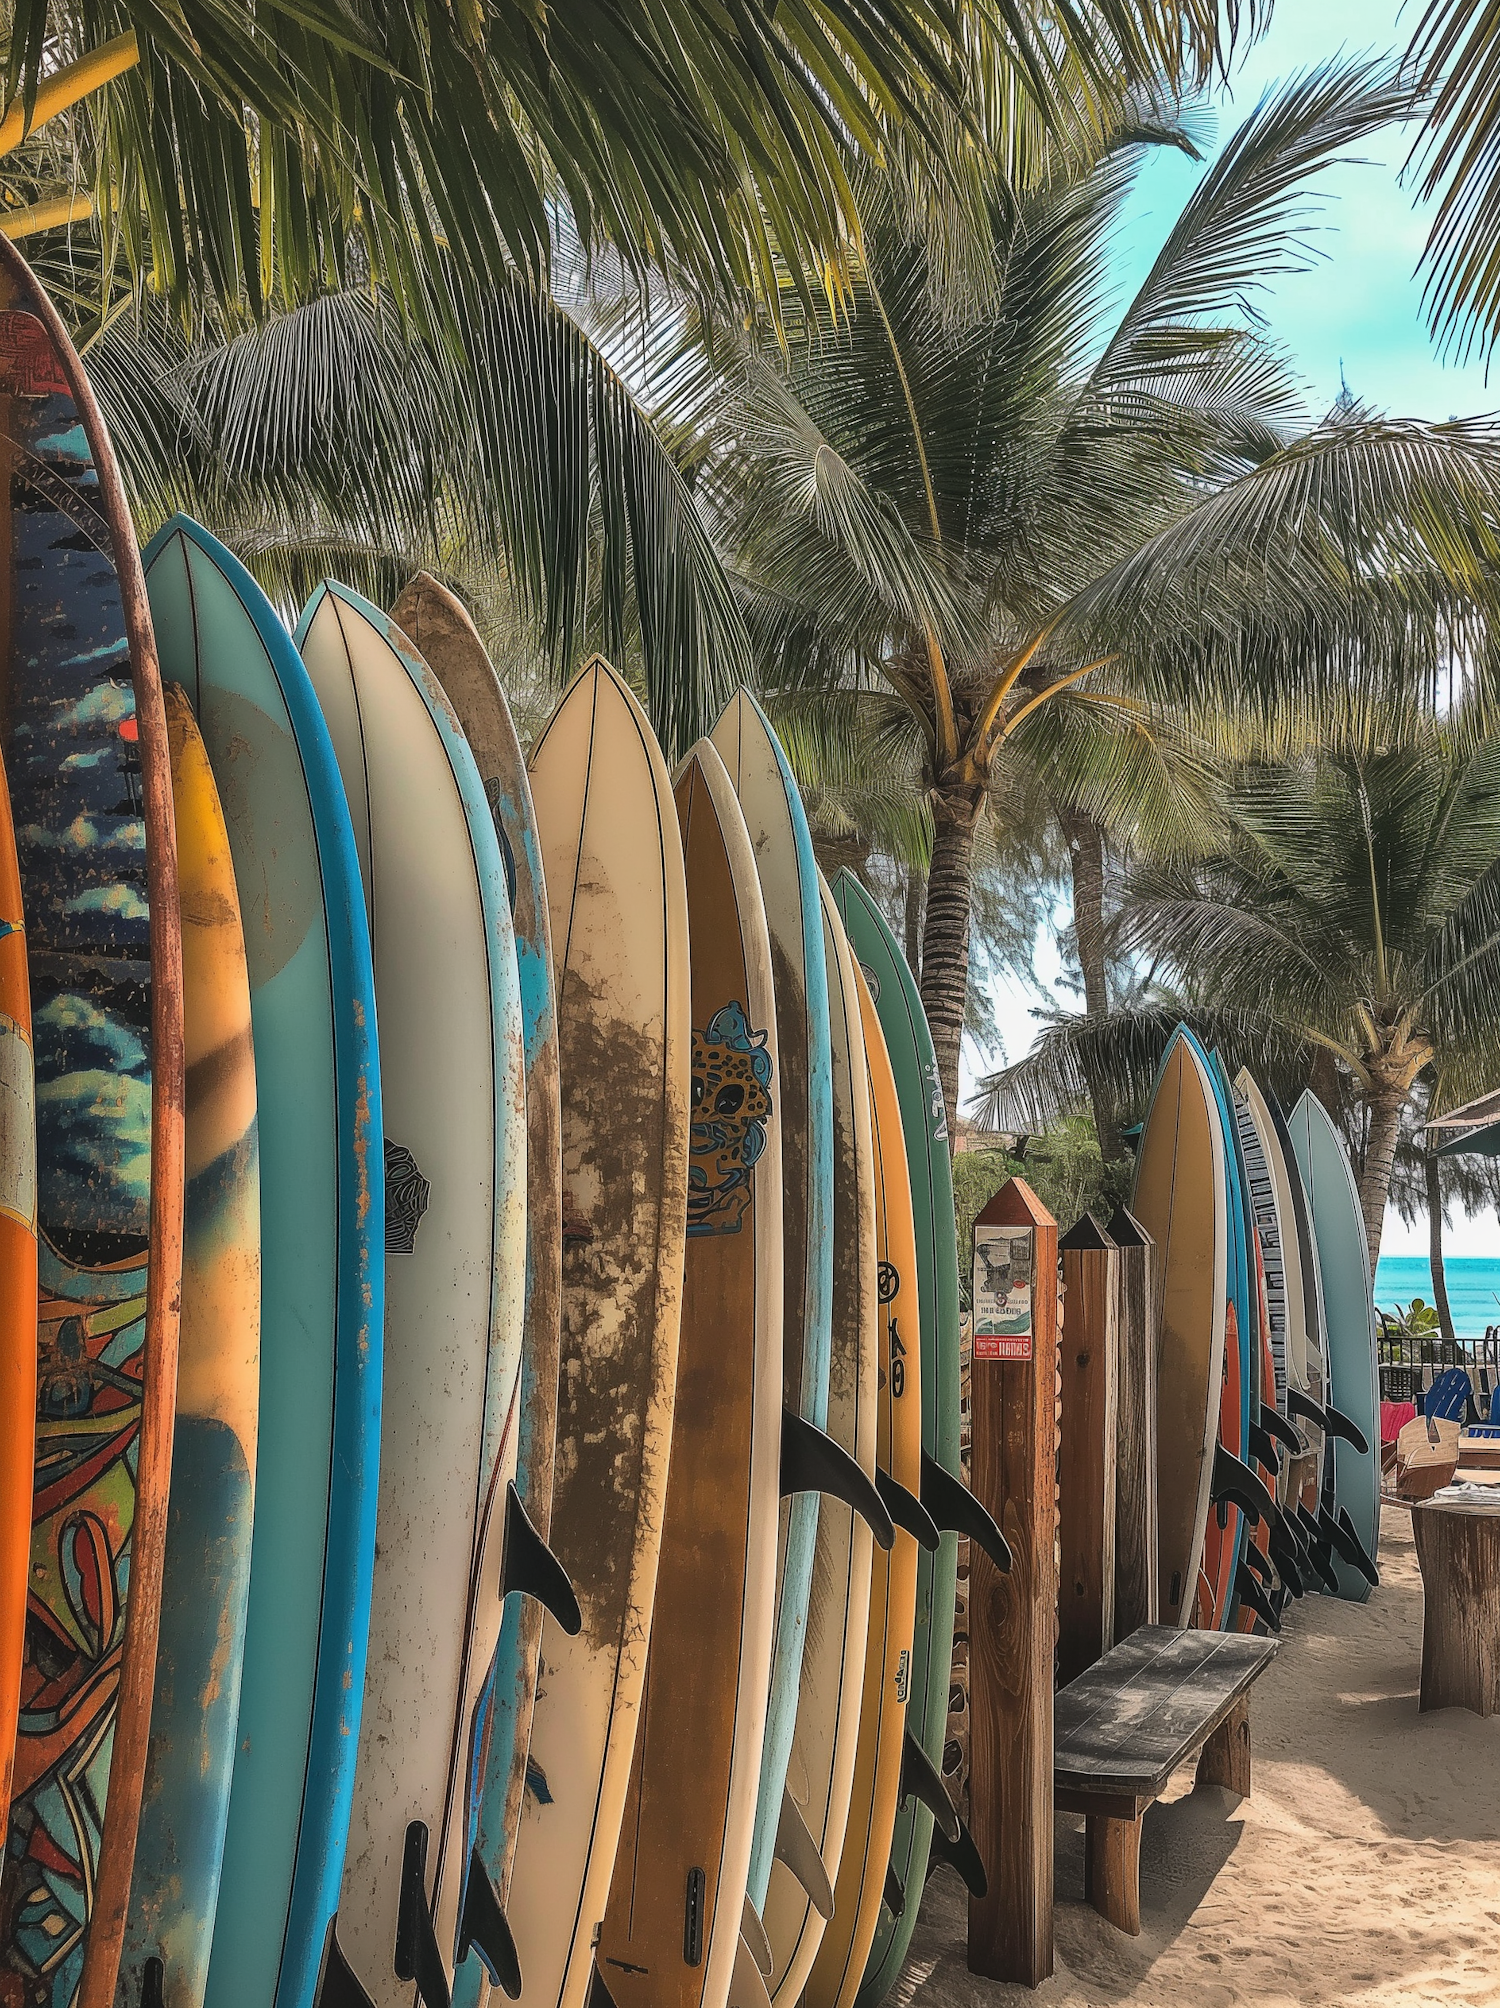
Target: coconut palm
(994,499)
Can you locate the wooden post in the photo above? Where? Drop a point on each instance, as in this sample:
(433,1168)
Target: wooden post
(1136,1586)
(1086,1451)
(1225,1757)
(1013,1618)
(1458,1551)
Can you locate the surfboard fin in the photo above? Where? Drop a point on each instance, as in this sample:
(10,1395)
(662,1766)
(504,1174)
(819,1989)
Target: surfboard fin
(963,1856)
(754,1934)
(921,1780)
(1346,1427)
(1286,1553)
(893,1896)
(796,1847)
(747,1984)
(1342,1537)
(1254,1598)
(956,1510)
(599,1994)
(1317,1549)
(483,1926)
(339,1986)
(1299,1404)
(1274,1423)
(1258,1562)
(1263,1448)
(530,1569)
(908,1512)
(153,1974)
(417,1956)
(812,1462)
(1237,1483)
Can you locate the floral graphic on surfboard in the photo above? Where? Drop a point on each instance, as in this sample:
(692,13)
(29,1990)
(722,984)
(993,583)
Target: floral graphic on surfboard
(731,1105)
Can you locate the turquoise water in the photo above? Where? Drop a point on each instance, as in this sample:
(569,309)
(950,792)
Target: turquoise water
(1473,1288)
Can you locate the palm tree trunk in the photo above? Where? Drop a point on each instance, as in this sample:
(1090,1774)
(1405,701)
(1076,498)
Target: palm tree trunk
(1435,1247)
(945,935)
(913,919)
(1386,1105)
(1085,841)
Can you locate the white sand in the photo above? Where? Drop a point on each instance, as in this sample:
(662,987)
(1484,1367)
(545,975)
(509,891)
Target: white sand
(1364,1869)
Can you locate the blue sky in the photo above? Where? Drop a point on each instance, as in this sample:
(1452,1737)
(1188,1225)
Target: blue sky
(1357,308)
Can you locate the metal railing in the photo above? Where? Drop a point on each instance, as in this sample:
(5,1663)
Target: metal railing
(1410,1361)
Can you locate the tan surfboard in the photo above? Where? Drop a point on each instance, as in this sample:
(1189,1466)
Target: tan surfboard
(839,1966)
(672,1928)
(617,902)
(820,1775)
(1181,1199)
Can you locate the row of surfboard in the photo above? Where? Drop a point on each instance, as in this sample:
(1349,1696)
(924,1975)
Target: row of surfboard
(478,1333)
(1268,1482)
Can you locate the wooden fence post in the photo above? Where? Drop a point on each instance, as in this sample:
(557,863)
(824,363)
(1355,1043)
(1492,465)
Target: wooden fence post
(1136,1587)
(1013,1618)
(1087,1449)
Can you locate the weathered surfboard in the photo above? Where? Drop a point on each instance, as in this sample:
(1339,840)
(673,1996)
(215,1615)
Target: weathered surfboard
(763,780)
(924,1123)
(17,1290)
(1223,1545)
(438,624)
(672,1929)
(1307,1475)
(206,1575)
(617,900)
(842,1957)
(322,1221)
(83,737)
(453,1089)
(820,1775)
(1182,1201)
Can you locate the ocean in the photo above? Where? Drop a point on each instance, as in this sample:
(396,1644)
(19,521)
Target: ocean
(1473,1288)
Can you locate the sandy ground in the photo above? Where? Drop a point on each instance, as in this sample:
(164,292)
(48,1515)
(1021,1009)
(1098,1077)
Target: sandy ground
(1364,1868)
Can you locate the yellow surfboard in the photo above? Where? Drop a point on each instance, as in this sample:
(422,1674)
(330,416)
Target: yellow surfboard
(840,1964)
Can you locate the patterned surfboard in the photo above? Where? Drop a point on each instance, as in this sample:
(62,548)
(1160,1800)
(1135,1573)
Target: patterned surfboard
(83,736)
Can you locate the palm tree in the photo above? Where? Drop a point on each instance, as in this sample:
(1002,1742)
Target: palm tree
(987,493)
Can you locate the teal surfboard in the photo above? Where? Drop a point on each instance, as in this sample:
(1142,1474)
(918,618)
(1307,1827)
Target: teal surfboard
(774,815)
(1349,1335)
(898,1005)
(317,1070)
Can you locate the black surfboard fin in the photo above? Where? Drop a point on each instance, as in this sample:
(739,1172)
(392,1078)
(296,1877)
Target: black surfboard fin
(956,1510)
(1345,1542)
(1254,1598)
(530,1569)
(1299,1404)
(1263,1448)
(1317,1550)
(1307,1526)
(599,1994)
(893,1896)
(153,1978)
(416,1955)
(908,1512)
(339,1986)
(1259,1562)
(963,1856)
(1345,1426)
(483,1925)
(921,1780)
(1237,1483)
(1274,1423)
(796,1847)
(1286,1553)
(812,1462)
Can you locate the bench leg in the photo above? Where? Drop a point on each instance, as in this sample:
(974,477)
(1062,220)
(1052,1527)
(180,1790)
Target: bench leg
(1225,1759)
(1112,1871)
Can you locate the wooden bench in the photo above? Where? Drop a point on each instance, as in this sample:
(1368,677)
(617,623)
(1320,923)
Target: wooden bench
(1123,1727)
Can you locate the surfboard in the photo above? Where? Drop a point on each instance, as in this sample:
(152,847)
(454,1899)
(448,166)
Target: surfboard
(447,995)
(1308,1360)
(843,1953)
(1274,1228)
(914,1064)
(206,1574)
(322,1227)
(820,1774)
(445,636)
(768,794)
(1182,1201)
(672,1928)
(1344,1268)
(17,1290)
(1225,1533)
(617,902)
(83,735)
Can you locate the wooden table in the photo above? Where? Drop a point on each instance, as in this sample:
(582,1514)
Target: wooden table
(1122,1729)
(1458,1551)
